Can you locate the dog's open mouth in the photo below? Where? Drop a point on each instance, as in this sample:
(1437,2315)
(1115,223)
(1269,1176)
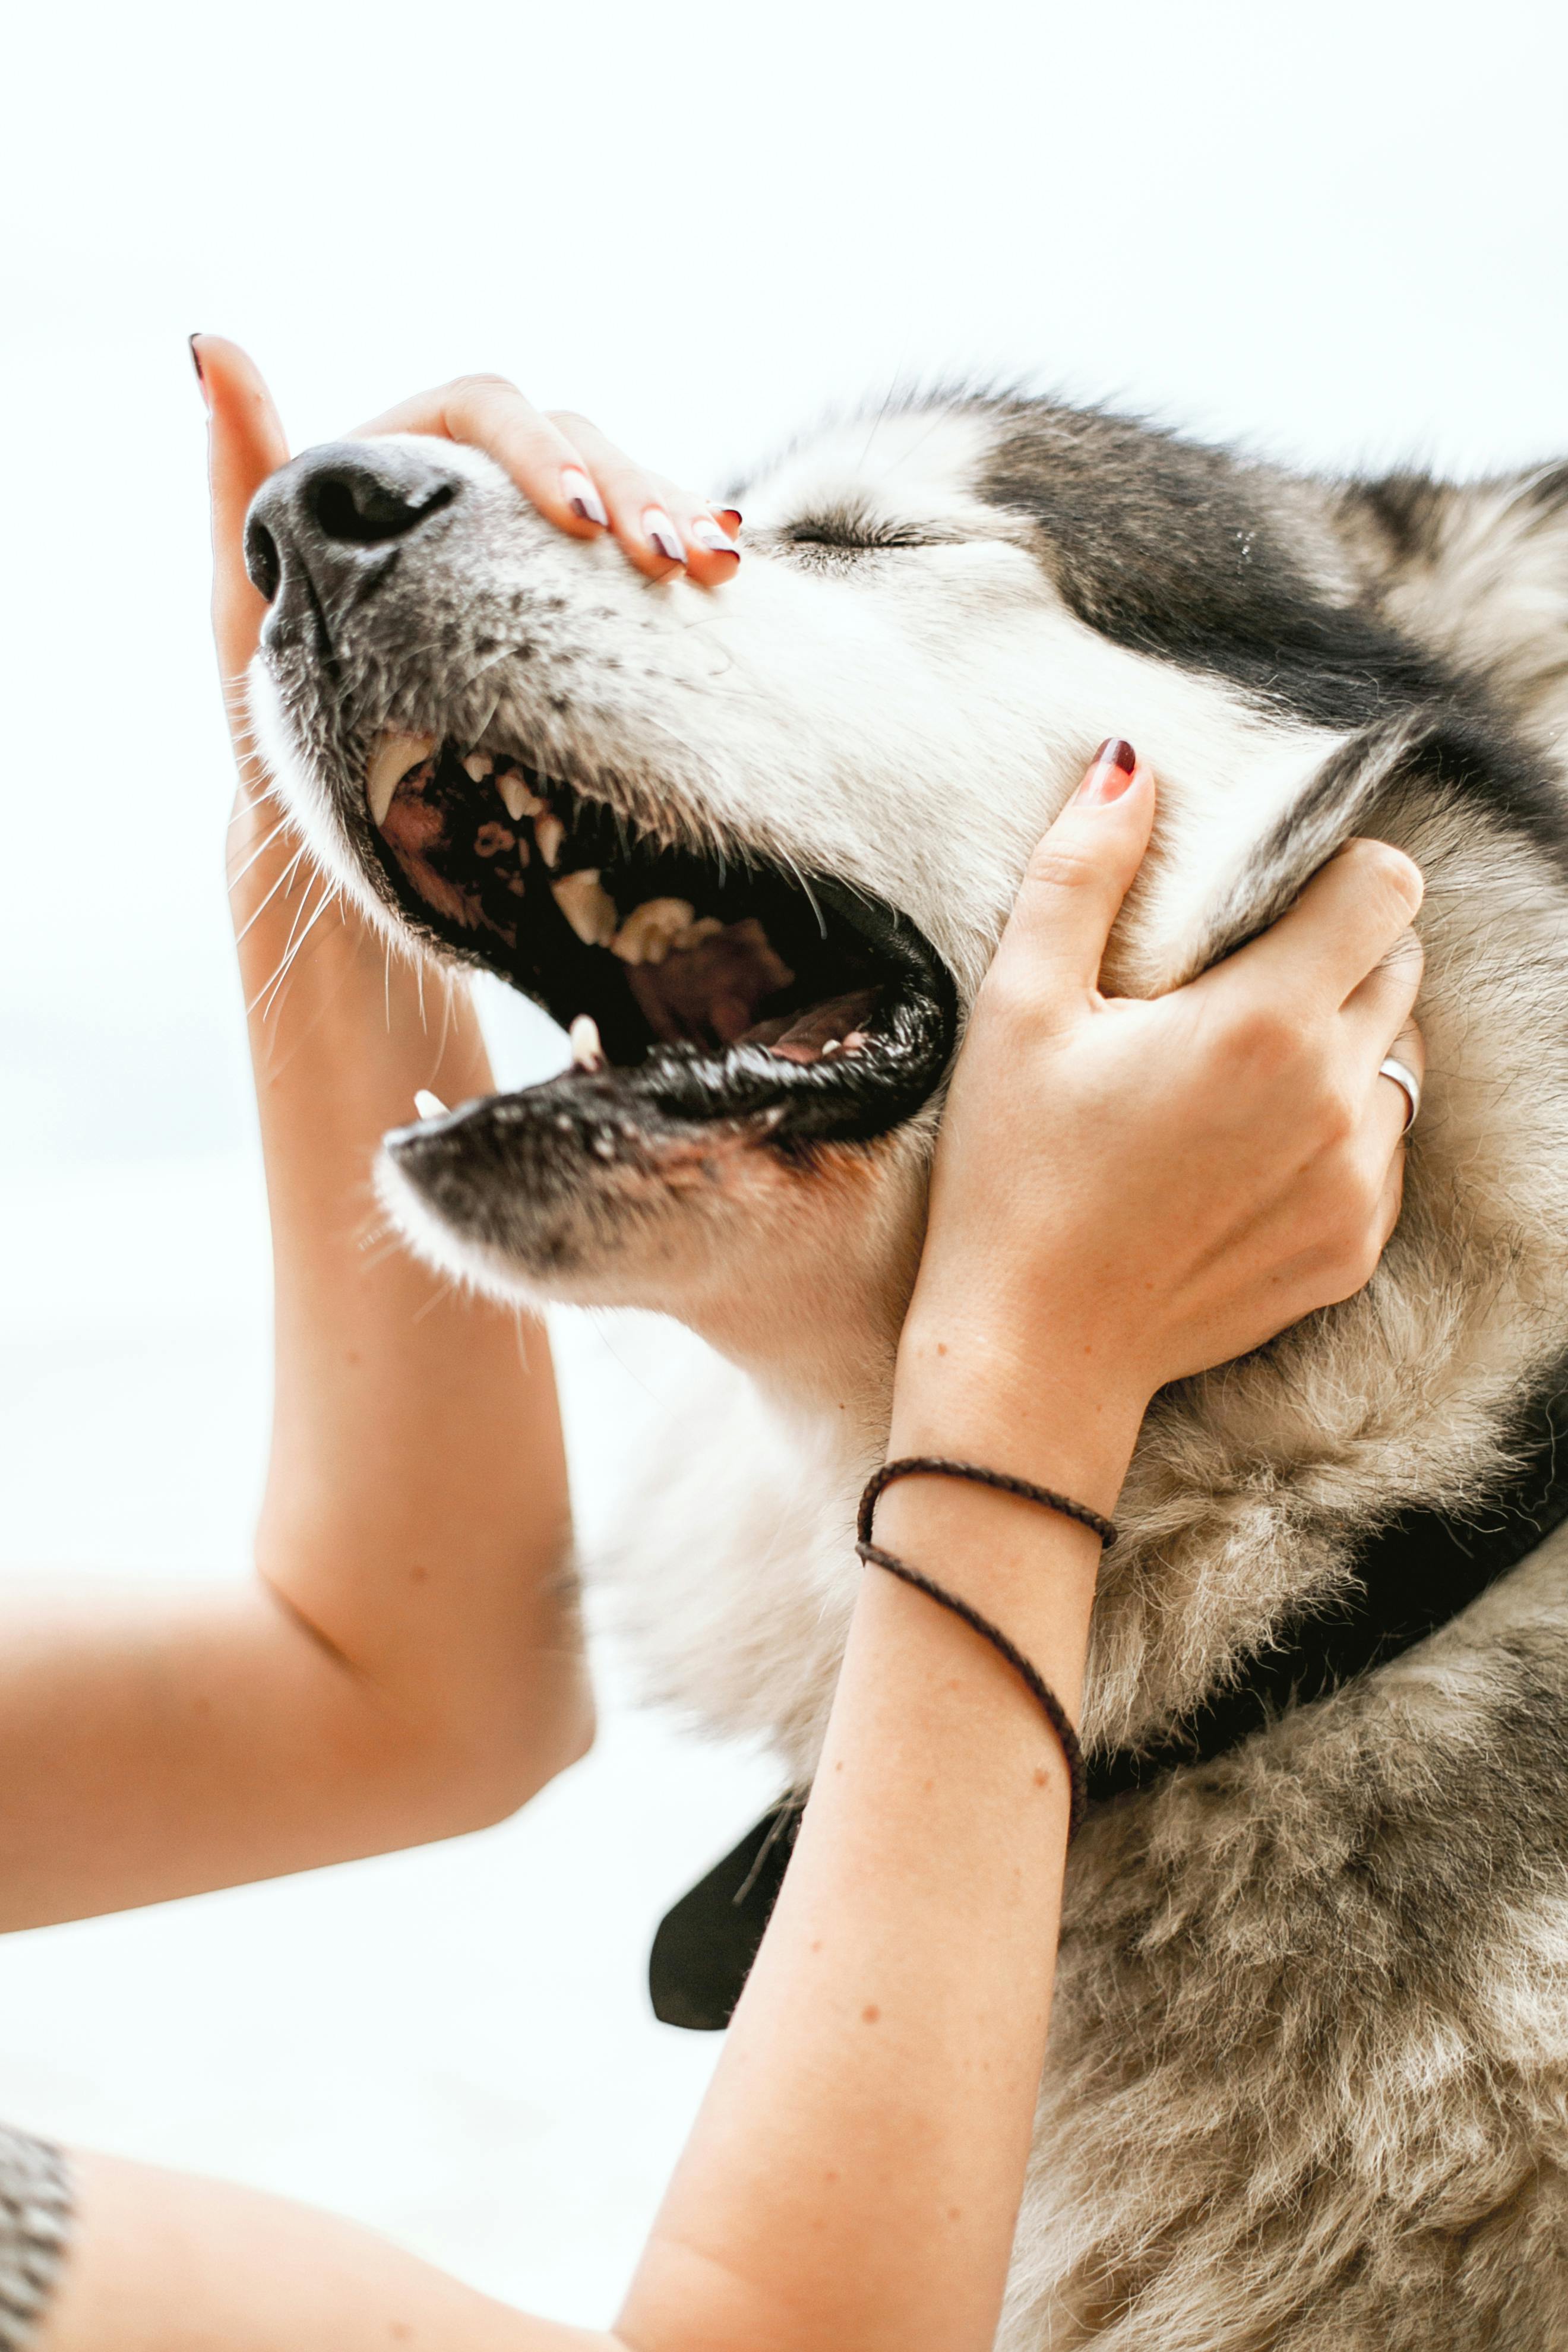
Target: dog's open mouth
(700,986)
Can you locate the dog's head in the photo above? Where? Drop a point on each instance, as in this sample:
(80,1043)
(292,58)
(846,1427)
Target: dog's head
(763,838)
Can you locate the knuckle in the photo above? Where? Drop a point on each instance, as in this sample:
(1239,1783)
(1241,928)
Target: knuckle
(1261,1034)
(1388,870)
(1059,865)
(481,390)
(1338,1116)
(1009,995)
(1407,956)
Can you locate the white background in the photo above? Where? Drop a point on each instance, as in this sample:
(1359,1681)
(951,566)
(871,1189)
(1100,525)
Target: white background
(1335,232)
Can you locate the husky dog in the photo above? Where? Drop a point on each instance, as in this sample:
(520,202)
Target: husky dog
(1309,2077)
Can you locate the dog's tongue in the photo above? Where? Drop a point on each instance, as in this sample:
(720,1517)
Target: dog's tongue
(711,990)
(803,1036)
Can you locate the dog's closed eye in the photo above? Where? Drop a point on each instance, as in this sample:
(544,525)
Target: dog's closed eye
(851,531)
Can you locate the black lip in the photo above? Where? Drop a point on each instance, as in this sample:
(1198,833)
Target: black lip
(848,1097)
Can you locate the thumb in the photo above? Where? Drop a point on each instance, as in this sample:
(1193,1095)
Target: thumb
(1080,872)
(245,444)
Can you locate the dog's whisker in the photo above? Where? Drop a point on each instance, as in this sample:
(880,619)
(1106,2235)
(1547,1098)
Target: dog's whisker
(283,883)
(297,938)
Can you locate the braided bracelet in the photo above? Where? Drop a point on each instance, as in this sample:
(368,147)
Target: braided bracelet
(917,1466)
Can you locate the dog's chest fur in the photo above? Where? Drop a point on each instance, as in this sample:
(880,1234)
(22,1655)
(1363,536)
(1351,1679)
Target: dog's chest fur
(1308,2082)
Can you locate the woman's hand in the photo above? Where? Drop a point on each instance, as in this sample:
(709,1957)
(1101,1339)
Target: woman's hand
(1139,1189)
(564,465)
(579,481)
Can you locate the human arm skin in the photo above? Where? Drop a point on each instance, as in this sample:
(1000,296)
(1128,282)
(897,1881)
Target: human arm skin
(406,1663)
(1124,1193)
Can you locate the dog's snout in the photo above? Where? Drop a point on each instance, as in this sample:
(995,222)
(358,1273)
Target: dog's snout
(359,497)
(333,506)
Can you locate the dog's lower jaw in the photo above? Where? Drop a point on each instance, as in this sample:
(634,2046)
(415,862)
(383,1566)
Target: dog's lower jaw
(798,1273)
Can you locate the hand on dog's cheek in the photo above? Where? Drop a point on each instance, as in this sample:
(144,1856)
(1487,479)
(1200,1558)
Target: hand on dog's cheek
(1127,1191)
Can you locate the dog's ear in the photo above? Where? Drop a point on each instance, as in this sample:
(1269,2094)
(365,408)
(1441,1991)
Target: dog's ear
(1377,783)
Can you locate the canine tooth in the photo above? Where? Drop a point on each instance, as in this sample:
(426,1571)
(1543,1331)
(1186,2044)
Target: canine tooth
(389,764)
(586,905)
(519,802)
(550,833)
(833,1045)
(430,1106)
(587,1052)
(478,765)
(651,929)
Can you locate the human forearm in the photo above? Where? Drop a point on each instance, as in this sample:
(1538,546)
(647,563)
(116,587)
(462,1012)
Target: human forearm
(415,1512)
(160,1741)
(856,2172)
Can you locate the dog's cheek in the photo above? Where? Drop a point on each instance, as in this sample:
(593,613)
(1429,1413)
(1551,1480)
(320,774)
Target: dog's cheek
(818,1252)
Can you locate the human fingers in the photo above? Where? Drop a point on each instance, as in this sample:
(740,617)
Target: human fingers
(487,413)
(1073,887)
(246,443)
(1384,1215)
(1344,923)
(660,526)
(1379,1008)
(1369,1168)
(1392,1111)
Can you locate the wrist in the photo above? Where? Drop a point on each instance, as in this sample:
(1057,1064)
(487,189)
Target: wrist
(1066,1415)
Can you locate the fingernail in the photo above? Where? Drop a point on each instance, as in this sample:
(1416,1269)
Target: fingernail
(200,373)
(582,496)
(732,516)
(706,533)
(1109,770)
(662,535)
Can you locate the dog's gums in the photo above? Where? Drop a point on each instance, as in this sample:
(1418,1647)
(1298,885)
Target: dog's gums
(707,988)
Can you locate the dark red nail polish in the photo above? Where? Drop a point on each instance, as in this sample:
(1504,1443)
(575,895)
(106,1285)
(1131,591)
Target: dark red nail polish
(731,514)
(580,509)
(1110,771)
(201,372)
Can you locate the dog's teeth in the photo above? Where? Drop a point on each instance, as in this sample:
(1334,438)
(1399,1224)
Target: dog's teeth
(833,1045)
(586,905)
(550,833)
(587,1052)
(389,764)
(430,1106)
(695,933)
(478,765)
(855,1039)
(651,929)
(519,802)
(604,1147)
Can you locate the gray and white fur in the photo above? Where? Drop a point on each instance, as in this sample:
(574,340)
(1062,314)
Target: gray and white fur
(1308,2074)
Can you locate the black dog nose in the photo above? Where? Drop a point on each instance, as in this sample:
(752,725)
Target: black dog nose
(334,505)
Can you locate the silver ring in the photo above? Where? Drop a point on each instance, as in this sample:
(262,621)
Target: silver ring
(1406,1078)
